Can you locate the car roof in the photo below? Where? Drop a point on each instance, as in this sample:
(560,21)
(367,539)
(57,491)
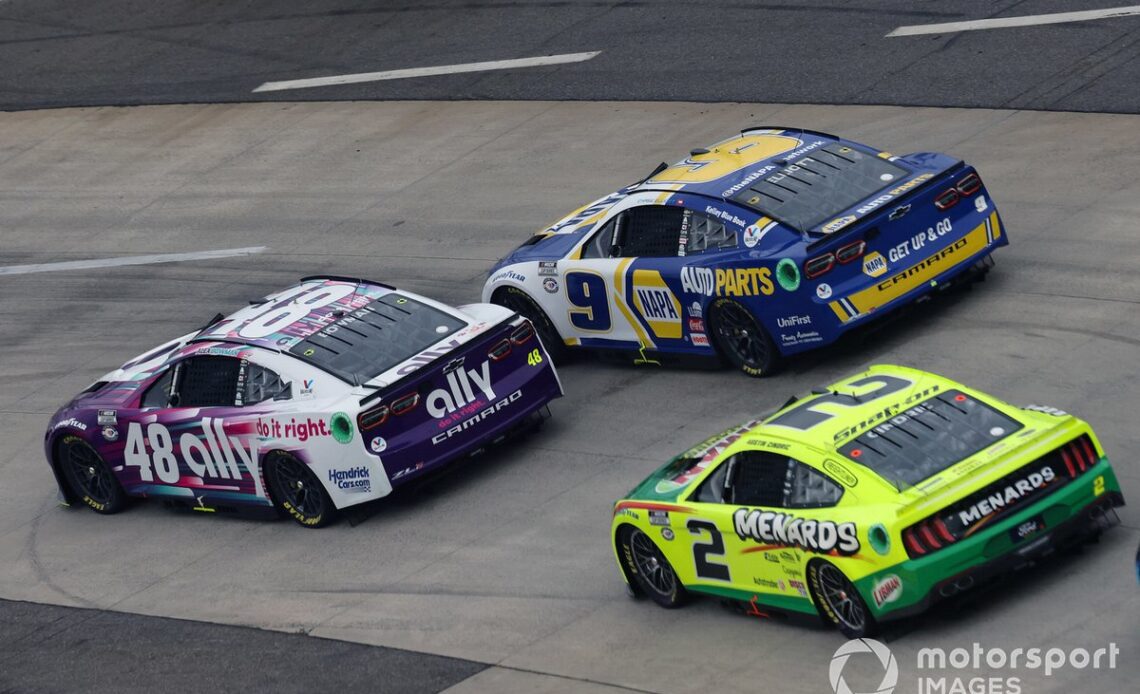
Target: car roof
(724,169)
(248,326)
(833,415)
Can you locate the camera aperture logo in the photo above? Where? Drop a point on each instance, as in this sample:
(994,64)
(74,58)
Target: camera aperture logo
(856,646)
(969,665)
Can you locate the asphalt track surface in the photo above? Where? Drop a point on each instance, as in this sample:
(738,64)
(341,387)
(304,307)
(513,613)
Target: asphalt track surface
(108,52)
(507,561)
(67,649)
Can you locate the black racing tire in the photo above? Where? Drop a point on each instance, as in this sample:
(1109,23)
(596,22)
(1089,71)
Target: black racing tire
(741,340)
(520,302)
(89,477)
(297,492)
(839,601)
(649,568)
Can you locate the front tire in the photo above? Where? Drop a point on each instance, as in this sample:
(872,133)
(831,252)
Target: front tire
(298,493)
(839,602)
(520,302)
(650,569)
(89,477)
(741,340)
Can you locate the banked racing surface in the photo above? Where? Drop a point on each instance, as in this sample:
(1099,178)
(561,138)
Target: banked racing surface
(508,560)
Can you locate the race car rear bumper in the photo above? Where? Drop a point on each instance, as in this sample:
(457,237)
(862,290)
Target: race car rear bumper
(1071,516)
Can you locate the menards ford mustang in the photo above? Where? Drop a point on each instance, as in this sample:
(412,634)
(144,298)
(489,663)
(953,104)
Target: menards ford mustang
(867,501)
(322,396)
(766,244)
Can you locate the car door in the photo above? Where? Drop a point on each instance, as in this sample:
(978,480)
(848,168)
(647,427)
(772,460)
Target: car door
(194,435)
(616,292)
(759,517)
(782,515)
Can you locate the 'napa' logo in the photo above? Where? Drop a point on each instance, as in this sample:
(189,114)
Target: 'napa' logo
(657,304)
(874,264)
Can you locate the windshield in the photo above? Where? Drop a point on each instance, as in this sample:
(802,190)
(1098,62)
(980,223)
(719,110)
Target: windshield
(368,341)
(929,437)
(817,187)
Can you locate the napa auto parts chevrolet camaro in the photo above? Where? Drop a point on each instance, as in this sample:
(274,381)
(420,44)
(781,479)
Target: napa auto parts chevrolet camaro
(865,502)
(319,397)
(766,244)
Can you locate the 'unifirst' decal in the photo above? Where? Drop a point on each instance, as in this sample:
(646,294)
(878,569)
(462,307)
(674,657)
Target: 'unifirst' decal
(657,303)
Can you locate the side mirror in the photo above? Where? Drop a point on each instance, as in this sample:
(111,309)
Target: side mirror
(615,251)
(174,400)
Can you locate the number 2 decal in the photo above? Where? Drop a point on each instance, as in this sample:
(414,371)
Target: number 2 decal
(805,416)
(587,291)
(703,550)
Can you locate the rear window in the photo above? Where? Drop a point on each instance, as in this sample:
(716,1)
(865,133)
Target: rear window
(929,437)
(815,188)
(368,341)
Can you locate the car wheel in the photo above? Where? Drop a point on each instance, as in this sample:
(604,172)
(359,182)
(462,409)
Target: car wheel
(741,340)
(298,492)
(89,476)
(650,569)
(839,601)
(520,302)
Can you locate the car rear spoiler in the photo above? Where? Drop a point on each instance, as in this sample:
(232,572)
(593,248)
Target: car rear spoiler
(341,278)
(802,131)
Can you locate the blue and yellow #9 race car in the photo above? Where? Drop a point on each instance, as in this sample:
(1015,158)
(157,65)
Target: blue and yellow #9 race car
(766,244)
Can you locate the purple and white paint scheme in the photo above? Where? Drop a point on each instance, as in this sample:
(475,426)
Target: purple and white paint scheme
(322,396)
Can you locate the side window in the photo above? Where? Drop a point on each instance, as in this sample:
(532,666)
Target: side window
(807,488)
(599,246)
(158,395)
(711,490)
(209,381)
(705,234)
(777,481)
(261,384)
(757,479)
(649,231)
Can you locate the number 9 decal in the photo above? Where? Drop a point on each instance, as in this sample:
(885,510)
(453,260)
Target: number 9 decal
(587,291)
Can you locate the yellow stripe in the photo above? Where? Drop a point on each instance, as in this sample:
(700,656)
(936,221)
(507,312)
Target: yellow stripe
(838,308)
(900,283)
(995,225)
(619,299)
(572,341)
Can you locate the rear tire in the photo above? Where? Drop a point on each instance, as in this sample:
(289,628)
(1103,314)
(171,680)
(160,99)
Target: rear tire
(741,340)
(520,302)
(839,602)
(89,477)
(649,568)
(297,491)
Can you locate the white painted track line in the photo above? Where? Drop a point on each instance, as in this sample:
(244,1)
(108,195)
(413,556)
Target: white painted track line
(97,263)
(1006,22)
(427,71)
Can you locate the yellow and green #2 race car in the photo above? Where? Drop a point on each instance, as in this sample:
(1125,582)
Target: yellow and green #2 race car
(865,502)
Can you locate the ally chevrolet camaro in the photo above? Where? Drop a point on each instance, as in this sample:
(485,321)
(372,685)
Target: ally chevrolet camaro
(763,245)
(319,397)
(866,502)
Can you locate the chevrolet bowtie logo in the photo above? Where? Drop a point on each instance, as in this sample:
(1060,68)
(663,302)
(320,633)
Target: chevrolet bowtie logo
(453,365)
(898,212)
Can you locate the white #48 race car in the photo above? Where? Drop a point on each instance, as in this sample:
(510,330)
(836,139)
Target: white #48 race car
(322,396)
